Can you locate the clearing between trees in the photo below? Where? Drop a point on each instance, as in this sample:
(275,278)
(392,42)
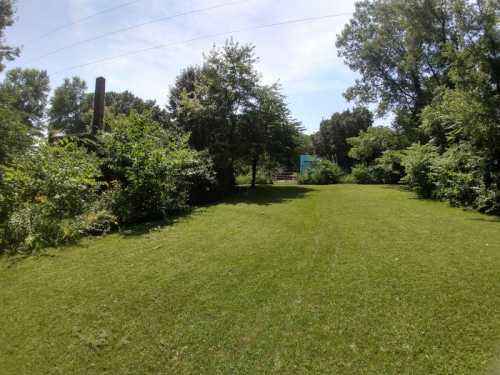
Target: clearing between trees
(338,279)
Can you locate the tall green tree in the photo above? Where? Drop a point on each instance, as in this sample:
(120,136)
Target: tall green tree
(401,49)
(68,106)
(27,91)
(267,129)
(212,108)
(331,140)
(6,19)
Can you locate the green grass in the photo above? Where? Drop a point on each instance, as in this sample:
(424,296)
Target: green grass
(284,280)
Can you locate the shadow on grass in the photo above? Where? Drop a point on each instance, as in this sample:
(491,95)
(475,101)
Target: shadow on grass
(487,219)
(266,195)
(263,195)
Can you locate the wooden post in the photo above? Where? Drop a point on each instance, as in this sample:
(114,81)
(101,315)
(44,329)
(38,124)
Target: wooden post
(100,93)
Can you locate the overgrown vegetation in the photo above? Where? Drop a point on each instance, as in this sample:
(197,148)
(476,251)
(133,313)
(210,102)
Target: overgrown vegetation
(49,195)
(59,182)
(58,193)
(154,170)
(321,172)
(436,66)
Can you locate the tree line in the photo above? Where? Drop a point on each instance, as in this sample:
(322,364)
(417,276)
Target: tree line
(435,65)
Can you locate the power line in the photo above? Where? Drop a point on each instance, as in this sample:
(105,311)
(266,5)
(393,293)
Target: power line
(70,24)
(119,31)
(202,37)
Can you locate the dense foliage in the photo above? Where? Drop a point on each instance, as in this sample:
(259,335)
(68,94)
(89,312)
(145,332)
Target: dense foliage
(321,172)
(27,90)
(232,115)
(59,182)
(436,65)
(331,142)
(66,113)
(57,193)
(154,167)
(50,196)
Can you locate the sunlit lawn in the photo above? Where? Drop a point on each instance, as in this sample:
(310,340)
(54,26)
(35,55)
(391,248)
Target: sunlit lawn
(286,280)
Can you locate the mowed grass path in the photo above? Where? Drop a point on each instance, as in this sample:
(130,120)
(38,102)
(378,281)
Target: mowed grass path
(285,280)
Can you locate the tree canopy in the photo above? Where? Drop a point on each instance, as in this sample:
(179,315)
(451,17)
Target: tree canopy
(331,140)
(230,114)
(405,49)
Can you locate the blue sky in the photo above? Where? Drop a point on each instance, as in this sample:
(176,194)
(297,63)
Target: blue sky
(302,56)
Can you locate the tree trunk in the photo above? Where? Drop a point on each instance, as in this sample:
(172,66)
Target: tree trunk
(254,171)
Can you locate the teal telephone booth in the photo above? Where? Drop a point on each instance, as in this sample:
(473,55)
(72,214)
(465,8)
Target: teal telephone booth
(306,162)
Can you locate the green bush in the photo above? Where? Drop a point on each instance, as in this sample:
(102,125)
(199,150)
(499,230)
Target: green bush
(457,176)
(388,168)
(321,172)
(155,167)
(488,200)
(419,161)
(46,193)
(361,174)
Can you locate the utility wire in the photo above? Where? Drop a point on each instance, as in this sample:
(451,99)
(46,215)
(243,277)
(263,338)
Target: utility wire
(76,22)
(122,30)
(202,37)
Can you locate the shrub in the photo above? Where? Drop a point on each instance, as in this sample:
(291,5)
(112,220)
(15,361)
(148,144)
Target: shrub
(388,168)
(360,174)
(458,176)
(155,167)
(488,200)
(418,161)
(46,193)
(322,172)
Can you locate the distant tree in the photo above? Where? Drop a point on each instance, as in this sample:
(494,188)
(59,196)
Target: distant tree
(185,85)
(68,106)
(267,129)
(331,140)
(306,145)
(27,91)
(213,108)
(123,103)
(372,143)
(6,20)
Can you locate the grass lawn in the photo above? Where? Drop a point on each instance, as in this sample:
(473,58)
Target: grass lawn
(286,280)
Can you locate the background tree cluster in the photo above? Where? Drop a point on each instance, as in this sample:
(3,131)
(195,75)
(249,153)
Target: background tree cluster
(232,115)
(436,65)
(331,142)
